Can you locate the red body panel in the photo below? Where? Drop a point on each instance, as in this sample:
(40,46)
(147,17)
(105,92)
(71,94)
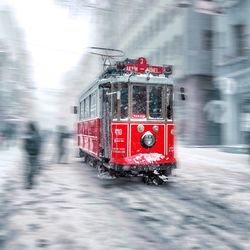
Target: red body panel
(141,66)
(89,136)
(126,148)
(119,140)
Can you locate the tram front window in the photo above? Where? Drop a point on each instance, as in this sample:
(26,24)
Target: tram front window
(155,102)
(139,102)
(115,101)
(169,103)
(124,100)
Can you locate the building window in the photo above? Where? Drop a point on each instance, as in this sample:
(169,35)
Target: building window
(207,39)
(239,39)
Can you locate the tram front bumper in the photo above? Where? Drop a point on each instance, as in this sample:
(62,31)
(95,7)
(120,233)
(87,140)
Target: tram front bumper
(144,168)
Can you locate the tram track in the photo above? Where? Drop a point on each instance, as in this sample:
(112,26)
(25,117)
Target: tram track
(202,200)
(219,221)
(155,209)
(204,214)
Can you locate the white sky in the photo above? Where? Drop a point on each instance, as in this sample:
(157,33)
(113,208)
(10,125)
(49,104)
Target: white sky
(54,38)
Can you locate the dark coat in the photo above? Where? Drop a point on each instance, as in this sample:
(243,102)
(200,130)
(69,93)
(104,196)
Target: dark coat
(32,143)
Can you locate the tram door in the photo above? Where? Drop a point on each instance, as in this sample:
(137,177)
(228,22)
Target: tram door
(106,120)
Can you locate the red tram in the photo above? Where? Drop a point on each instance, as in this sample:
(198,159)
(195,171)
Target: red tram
(125,125)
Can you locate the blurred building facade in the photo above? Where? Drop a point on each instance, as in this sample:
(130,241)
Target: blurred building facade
(170,32)
(74,82)
(15,84)
(209,51)
(232,70)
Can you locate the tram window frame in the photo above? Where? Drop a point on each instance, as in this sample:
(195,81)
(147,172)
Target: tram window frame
(115,102)
(86,107)
(126,117)
(148,117)
(81,110)
(92,104)
(149,89)
(132,100)
(172,102)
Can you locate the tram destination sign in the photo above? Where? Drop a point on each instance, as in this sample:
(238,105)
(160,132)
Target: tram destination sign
(141,66)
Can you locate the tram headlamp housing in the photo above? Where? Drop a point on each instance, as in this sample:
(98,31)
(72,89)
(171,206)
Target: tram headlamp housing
(140,128)
(156,128)
(148,140)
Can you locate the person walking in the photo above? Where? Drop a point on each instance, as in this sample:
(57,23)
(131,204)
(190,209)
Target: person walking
(62,136)
(32,146)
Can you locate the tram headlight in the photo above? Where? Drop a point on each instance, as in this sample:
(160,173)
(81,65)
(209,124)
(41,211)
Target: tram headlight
(140,128)
(148,140)
(156,128)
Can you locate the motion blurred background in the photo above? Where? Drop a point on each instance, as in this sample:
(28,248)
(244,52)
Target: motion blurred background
(45,63)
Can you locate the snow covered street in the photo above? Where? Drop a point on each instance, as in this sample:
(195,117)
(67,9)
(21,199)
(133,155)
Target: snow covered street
(205,207)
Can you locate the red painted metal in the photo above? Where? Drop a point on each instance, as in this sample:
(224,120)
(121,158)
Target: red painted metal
(119,141)
(141,66)
(170,140)
(89,136)
(126,148)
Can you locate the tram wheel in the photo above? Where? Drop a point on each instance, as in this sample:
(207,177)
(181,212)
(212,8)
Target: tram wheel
(81,154)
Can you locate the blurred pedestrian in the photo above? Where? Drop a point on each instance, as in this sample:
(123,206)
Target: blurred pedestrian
(62,136)
(7,133)
(32,146)
(248,144)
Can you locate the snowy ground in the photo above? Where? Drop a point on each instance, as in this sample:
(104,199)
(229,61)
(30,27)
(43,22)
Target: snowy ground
(207,206)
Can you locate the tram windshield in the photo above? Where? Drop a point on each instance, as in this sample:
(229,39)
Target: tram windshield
(137,101)
(120,101)
(124,100)
(155,102)
(169,103)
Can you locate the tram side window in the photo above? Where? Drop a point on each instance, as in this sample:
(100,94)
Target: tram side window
(86,107)
(139,101)
(81,110)
(169,102)
(93,105)
(155,102)
(124,100)
(115,101)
